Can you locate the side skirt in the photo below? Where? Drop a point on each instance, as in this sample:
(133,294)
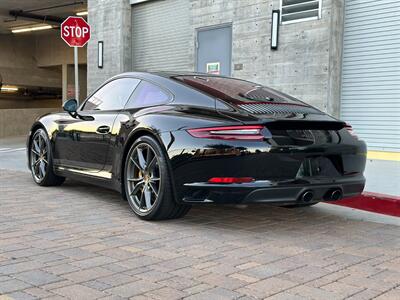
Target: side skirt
(101,179)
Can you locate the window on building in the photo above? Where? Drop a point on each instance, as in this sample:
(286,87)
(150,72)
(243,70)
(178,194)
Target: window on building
(148,94)
(300,10)
(112,96)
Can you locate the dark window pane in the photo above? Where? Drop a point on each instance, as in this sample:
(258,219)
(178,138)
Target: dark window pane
(235,91)
(147,94)
(113,95)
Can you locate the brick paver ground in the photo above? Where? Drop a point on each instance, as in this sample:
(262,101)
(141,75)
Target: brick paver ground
(82,242)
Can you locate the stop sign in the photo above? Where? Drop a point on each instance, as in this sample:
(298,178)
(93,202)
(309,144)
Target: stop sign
(75,31)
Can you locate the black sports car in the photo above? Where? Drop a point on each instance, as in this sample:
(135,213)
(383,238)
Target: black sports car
(170,140)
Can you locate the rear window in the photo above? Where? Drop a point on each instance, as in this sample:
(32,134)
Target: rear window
(236,91)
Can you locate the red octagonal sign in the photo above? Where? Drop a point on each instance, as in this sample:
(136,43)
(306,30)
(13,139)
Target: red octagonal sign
(75,31)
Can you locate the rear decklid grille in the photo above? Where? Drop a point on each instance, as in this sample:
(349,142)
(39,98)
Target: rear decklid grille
(268,108)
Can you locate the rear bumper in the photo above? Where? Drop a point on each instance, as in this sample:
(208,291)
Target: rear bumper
(282,171)
(273,192)
(290,192)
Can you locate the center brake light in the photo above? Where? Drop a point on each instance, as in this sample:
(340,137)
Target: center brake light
(246,132)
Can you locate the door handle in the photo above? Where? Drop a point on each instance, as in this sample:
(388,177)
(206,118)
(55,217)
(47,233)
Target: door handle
(103,129)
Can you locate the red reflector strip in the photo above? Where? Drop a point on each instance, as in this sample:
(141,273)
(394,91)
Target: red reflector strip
(231,179)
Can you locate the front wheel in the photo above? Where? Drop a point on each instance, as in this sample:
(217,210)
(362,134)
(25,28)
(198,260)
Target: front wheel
(41,160)
(147,182)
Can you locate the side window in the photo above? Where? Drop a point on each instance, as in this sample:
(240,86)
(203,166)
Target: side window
(112,96)
(147,94)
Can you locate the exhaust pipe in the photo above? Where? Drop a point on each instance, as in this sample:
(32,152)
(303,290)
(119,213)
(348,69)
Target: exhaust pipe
(307,196)
(336,195)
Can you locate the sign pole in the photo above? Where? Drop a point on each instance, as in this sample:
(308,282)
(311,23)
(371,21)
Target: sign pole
(75,31)
(76,73)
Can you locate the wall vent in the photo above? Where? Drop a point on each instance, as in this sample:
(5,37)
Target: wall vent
(300,10)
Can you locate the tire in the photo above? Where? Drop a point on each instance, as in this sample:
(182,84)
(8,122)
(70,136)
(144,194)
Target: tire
(41,160)
(147,182)
(300,205)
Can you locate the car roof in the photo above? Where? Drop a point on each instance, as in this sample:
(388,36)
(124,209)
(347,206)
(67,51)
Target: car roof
(166,74)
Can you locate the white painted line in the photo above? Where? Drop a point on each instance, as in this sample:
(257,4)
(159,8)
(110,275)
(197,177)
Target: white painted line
(8,150)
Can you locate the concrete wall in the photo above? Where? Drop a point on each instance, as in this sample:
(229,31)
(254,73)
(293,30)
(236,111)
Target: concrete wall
(36,60)
(14,122)
(111,23)
(29,59)
(306,65)
(307,62)
(51,50)
(18,63)
(10,103)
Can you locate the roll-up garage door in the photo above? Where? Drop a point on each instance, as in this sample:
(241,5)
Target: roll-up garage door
(370,96)
(160,35)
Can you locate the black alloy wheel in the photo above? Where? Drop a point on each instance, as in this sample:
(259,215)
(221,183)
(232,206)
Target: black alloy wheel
(147,182)
(41,161)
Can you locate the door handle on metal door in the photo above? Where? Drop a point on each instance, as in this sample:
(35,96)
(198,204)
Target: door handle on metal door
(103,129)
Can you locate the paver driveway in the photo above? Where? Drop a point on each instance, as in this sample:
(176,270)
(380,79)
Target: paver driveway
(82,242)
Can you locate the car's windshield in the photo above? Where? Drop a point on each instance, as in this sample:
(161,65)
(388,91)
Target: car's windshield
(235,91)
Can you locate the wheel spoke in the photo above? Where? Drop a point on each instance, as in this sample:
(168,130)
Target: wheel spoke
(147,197)
(154,179)
(134,179)
(142,161)
(36,146)
(141,200)
(153,189)
(36,163)
(34,151)
(40,141)
(42,168)
(151,163)
(148,156)
(136,164)
(137,187)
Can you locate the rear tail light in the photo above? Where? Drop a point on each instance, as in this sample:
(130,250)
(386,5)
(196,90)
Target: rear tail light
(350,130)
(252,132)
(231,180)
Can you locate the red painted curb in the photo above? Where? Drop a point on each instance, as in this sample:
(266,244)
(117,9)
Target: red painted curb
(373,202)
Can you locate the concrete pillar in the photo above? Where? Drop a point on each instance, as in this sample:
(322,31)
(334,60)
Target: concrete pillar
(335,57)
(110,21)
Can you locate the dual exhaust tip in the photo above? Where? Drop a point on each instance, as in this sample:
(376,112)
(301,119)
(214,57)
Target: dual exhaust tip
(331,195)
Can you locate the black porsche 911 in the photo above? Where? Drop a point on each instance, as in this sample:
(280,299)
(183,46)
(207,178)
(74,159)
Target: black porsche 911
(167,141)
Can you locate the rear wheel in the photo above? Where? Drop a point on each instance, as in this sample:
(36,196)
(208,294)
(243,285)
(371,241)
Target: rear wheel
(147,182)
(41,160)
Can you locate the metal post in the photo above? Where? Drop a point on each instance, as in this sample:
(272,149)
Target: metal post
(76,74)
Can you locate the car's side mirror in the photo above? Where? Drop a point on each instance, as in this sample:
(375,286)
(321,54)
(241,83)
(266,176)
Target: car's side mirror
(71,106)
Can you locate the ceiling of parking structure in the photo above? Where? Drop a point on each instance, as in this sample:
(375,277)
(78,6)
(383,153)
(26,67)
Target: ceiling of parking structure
(57,8)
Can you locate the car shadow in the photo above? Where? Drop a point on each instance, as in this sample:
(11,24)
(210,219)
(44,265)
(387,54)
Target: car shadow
(251,218)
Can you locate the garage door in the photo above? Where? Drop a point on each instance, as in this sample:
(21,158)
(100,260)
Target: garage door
(370,99)
(160,35)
